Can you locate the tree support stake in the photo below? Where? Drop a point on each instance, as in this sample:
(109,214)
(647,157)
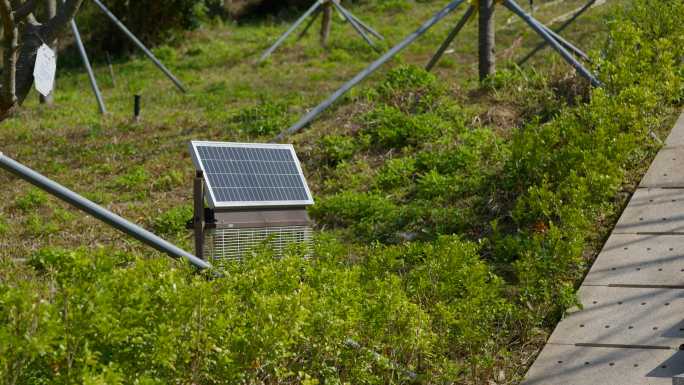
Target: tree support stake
(98,212)
(323,6)
(140,45)
(88,67)
(311,115)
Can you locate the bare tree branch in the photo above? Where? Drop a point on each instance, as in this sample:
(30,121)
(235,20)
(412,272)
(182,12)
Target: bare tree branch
(25,9)
(66,12)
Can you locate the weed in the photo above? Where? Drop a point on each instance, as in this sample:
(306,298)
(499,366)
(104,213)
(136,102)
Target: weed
(267,118)
(33,199)
(172,221)
(134,180)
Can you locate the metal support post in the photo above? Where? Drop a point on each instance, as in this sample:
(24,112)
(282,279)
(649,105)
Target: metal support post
(564,42)
(559,30)
(88,67)
(534,24)
(362,24)
(97,211)
(305,120)
(312,20)
(357,27)
(140,45)
(287,33)
(452,35)
(198,218)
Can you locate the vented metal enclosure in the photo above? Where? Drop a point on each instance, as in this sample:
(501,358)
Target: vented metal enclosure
(257,197)
(226,245)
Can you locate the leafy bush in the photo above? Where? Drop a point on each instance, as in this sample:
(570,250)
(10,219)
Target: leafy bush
(173,221)
(334,149)
(267,118)
(532,198)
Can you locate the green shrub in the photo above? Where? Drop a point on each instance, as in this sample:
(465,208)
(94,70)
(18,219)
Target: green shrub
(389,127)
(336,148)
(173,325)
(267,118)
(134,180)
(173,221)
(371,216)
(397,172)
(411,89)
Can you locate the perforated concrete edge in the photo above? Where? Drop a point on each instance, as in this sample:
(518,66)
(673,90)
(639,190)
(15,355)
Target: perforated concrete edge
(678,380)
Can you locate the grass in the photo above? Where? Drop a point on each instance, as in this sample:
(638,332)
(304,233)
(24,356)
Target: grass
(141,170)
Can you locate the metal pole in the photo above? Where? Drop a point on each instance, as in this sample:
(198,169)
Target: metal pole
(305,120)
(137,101)
(312,20)
(111,68)
(515,8)
(362,24)
(142,47)
(198,218)
(287,33)
(564,42)
(353,24)
(88,67)
(97,211)
(559,30)
(450,38)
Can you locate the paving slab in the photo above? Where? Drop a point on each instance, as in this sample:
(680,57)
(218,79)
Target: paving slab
(639,260)
(666,169)
(625,316)
(575,365)
(676,137)
(653,211)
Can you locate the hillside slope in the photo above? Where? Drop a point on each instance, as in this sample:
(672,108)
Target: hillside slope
(454,218)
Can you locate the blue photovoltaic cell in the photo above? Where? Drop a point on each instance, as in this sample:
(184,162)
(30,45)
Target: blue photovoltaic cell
(252,174)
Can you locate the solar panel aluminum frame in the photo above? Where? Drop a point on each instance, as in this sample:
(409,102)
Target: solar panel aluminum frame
(215,204)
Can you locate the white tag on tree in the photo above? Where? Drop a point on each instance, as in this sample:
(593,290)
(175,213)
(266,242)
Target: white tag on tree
(45,69)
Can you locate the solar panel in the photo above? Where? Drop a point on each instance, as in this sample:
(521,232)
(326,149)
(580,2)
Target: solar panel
(251,175)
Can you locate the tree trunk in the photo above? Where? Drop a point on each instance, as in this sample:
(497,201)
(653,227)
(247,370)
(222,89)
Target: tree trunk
(486,39)
(23,34)
(50,12)
(326,23)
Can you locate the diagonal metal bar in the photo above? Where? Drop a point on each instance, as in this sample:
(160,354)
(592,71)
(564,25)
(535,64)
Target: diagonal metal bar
(560,29)
(287,33)
(312,20)
(565,43)
(362,24)
(97,211)
(140,45)
(88,67)
(534,24)
(351,21)
(311,115)
(452,35)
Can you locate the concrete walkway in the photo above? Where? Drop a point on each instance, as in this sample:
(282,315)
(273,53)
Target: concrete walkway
(631,327)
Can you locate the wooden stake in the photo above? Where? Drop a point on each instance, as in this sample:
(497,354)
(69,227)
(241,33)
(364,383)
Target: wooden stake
(326,23)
